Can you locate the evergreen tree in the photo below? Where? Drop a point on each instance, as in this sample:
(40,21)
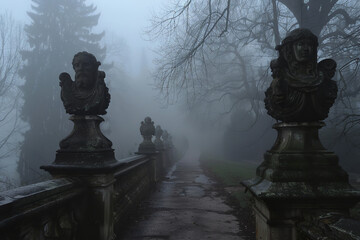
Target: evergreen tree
(58,30)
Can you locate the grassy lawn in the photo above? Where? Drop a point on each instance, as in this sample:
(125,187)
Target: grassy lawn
(230,174)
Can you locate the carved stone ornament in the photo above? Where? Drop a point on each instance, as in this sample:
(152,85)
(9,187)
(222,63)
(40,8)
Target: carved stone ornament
(302,89)
(88,94)
(147,130)
(158,142)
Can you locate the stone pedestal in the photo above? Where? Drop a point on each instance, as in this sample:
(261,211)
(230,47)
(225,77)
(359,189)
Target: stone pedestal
(86,157)
(86,144)
(95,215)
(298,178)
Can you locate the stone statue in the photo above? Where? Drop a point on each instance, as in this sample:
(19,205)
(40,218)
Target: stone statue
(299,178)
(158,142)
(88,94)
(302,89)
(147,130)
(85,98)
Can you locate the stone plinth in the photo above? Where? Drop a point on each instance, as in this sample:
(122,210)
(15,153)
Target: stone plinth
(86,144)
(297,178)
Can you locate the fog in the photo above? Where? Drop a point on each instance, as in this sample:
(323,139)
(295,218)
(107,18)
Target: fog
(198,74)
(132,89)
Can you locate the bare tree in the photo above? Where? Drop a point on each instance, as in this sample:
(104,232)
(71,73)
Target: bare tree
(11,43)
(218,51)
(201,34)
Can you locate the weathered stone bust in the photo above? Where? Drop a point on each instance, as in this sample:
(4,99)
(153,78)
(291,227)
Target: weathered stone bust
(147,130)
(88,94)
(299,178)
(302,89)
(85,98)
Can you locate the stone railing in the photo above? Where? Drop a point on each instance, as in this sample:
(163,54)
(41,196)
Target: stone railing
(134,181)
(60,208)
(46,210)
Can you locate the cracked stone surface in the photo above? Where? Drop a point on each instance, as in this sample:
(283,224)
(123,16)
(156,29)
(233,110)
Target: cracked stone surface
(186,206)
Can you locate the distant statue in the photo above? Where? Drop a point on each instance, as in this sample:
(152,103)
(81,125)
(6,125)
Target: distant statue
(147,130)
(88,94)
(165,137)
(302,89)
(158,142)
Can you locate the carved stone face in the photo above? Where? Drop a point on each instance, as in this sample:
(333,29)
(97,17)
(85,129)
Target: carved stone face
(303,50)
(85,72)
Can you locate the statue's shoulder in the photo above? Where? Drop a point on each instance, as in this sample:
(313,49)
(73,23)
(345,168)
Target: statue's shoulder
(327,67)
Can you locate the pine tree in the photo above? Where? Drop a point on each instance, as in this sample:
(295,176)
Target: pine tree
(58,30)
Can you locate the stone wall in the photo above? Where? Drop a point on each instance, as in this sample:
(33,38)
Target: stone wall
(133,183)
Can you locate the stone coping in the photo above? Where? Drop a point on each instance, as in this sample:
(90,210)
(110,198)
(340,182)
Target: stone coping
(101,168)
(27,201)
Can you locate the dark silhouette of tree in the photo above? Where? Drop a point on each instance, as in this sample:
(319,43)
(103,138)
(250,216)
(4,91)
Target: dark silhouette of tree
(58,30)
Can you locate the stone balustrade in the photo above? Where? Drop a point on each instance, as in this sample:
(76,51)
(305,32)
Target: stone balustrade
(57,209)
(92,194)
(45,210)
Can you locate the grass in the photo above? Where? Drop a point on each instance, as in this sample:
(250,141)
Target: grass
(229,174)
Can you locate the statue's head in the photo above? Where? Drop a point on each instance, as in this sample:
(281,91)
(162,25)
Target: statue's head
(302,89)
(148,120)
(86,70)
(299,45)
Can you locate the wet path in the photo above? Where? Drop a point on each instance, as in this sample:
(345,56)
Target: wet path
(186,206)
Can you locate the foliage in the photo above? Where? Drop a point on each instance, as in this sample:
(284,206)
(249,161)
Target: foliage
(58,30)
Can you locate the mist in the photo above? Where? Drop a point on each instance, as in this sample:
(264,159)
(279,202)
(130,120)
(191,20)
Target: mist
(134,95)
(201,83)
